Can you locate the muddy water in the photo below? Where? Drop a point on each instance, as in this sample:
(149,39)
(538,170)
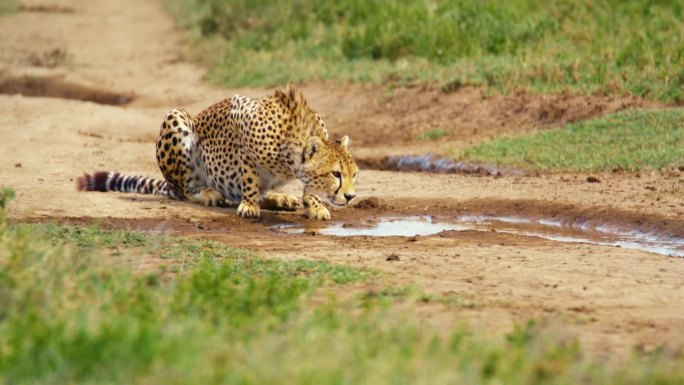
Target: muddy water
(575,232)
(434,164)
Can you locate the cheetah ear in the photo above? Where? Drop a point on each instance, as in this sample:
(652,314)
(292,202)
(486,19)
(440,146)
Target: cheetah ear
(292,98)
(344,141)
(313,144)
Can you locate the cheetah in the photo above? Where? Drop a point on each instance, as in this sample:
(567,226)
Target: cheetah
(239,150)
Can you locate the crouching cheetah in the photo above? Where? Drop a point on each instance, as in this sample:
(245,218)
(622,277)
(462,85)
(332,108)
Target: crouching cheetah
(239,150)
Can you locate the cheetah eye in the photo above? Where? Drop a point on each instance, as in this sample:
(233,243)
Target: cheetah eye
(337,174)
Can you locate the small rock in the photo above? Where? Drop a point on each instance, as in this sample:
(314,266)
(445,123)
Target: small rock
(17,165)
(593,179)
(412,239)
(369,203)
(652,188)
(392,257)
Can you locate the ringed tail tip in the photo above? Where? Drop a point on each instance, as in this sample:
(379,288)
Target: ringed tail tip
(94,182)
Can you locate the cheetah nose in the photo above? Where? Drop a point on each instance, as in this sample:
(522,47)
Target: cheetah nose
(349,197)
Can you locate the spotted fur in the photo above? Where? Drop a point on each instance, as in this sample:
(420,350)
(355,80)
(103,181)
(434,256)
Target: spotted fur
(239,150)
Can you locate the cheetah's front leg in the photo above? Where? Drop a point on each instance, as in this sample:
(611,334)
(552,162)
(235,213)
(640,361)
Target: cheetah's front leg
(249,205)
(313,208)
(207,196)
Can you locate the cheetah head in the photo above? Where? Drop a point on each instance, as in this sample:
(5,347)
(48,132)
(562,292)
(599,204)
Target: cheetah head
(329,170)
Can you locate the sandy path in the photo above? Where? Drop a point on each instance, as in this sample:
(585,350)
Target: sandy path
(613,299)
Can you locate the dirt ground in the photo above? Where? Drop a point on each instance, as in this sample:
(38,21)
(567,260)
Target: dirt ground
(84,85)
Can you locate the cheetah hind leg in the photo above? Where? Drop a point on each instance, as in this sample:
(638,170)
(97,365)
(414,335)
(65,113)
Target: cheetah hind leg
(180,160)
(280,201)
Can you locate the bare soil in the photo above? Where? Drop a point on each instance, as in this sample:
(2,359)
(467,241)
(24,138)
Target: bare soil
(612,299)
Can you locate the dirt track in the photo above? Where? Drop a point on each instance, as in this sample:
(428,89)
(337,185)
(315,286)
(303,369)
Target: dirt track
(613,299)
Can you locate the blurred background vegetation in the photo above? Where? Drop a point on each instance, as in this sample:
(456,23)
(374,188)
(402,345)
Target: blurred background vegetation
(607,46)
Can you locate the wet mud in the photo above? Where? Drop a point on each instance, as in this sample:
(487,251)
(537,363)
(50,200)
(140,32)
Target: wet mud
(55,86)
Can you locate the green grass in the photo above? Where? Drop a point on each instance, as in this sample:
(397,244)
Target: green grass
(433,134)
(629,140)
(391,295)
(608,46)
(73,311)
(90,237)
(8,7)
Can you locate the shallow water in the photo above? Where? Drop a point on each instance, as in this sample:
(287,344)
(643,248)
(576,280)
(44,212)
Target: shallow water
(575,232)
(579,232)
(439,164)
(387,227)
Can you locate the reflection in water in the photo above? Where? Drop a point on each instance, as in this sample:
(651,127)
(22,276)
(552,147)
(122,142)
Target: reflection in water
(583,232)
(387,227)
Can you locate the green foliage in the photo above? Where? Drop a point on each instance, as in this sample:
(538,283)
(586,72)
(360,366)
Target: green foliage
(628,140)
(71,315)
(68,316)
(611,46)
(392,295)
(93,236)
(448,299)
(387,296)
(6,195)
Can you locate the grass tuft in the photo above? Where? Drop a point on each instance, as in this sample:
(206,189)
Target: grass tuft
(433,134)
(90,237)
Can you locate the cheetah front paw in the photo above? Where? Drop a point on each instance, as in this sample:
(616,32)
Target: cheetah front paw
(317,213)
(280,201)
(248,210)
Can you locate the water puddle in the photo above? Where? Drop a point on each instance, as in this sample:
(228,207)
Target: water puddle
(575,232)
(579,232)
(388,227)
(434,164)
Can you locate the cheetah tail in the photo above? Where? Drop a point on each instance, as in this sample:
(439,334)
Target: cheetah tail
(113,181)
